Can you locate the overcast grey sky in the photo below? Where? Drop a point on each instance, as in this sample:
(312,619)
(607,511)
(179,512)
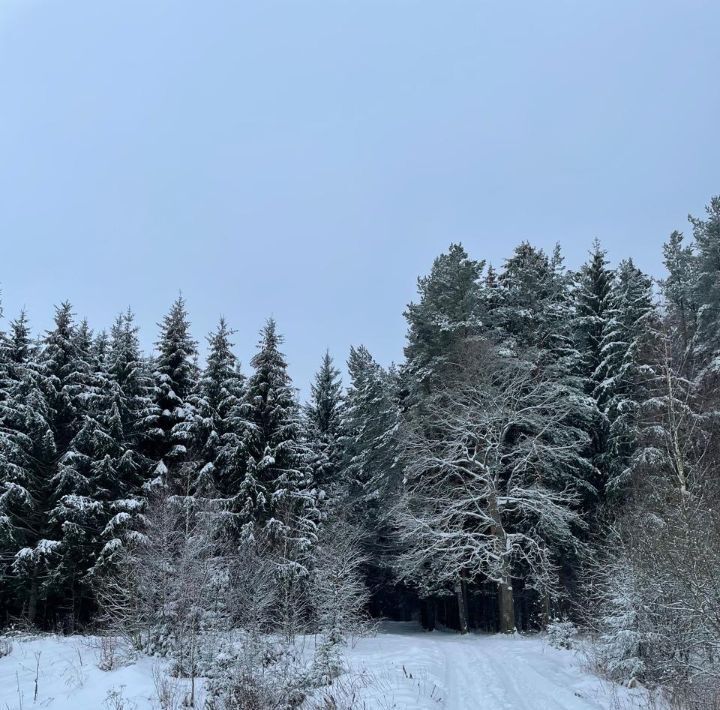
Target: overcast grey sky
(308,159)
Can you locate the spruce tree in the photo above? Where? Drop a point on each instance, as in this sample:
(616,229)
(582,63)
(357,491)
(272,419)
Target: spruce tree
(680,291)
(277,493)
(627,368)
(63,373)
(175,375)
(534,322)
(370,475)
(215,434)
(277,500)
(75,384)
(370,425)
(533,297)
(124,413)
(323,415)
(26,498)
(707,293)
(133,382)
(591,297)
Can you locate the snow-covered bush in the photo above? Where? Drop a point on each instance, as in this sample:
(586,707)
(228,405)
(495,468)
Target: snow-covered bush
(168,595)
(262,672)
(5,647)
(562,633)
(339,596)
(656,593)
(619,646)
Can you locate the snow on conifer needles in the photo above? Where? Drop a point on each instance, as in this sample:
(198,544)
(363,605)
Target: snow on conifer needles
(545,456)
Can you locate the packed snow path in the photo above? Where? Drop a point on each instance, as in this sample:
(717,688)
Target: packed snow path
(400,668)
(408,668)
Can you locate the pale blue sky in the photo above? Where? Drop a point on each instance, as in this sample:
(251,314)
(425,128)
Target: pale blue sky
(308,159)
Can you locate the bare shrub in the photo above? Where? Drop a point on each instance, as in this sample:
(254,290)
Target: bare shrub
(111,652)
(168,693)
(115,700)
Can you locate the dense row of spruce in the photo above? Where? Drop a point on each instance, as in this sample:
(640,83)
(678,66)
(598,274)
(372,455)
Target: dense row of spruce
(535,407)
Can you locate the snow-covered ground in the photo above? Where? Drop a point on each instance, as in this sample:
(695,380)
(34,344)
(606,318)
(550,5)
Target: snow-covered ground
(408,668)
(68,678)
(400,667)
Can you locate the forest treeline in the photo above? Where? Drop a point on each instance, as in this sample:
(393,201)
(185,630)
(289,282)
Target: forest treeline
(548,447)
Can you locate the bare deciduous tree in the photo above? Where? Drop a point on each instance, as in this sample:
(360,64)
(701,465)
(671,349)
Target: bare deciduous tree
(491,478)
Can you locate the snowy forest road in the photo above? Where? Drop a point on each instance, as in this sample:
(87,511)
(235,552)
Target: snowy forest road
(408,668)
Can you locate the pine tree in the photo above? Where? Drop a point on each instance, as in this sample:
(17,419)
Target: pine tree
(449,310)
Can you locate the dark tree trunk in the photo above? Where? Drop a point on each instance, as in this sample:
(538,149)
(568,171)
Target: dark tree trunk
(32,602)
(461,594)
(427,614)
(506,606)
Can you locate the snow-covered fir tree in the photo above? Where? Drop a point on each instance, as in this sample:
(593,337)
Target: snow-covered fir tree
(278,494)
(680,294)
(370,424)
(626,368)
(370,474)
(277,500)
(26,457)
(591,296)
(125,412)
(175,375)
(323,416)
(707,293)
(216,432)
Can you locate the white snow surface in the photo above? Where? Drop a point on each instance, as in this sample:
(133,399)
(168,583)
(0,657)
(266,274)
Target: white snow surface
(400,667)
(69,677)
(408,668)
